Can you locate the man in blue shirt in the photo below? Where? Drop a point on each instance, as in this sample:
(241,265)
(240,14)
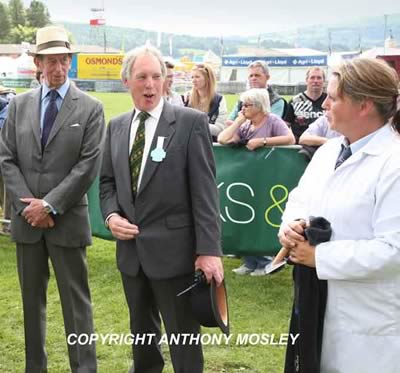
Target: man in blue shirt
(50,154)
(258,78)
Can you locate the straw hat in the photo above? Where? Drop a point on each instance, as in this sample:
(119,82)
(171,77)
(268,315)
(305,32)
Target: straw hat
(6,90)
(51,40)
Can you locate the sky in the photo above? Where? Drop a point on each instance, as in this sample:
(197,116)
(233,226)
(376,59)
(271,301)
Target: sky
(219,17)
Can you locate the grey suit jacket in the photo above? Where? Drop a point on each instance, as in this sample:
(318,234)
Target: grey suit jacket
(61,174)
(176,208)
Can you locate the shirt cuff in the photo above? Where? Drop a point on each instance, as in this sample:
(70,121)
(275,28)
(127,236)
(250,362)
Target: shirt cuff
(46,204)
(108,218)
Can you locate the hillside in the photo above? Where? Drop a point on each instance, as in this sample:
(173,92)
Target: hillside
(364,32)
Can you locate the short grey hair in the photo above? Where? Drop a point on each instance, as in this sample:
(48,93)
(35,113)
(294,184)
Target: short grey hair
(259,97)
(260,63)
(131,56)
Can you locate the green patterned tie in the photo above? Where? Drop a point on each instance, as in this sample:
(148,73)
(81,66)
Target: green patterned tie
(136,156)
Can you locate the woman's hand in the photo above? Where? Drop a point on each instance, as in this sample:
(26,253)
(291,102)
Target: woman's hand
(303,253)
(253,144)
(290,235)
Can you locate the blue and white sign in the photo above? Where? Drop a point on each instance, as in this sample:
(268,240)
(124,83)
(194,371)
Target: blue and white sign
(289,61)
(73,72)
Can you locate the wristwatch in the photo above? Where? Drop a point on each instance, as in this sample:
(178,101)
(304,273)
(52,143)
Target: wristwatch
(46,207)
(265,141)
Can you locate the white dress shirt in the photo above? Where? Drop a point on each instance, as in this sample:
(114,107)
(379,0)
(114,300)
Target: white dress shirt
(150,129)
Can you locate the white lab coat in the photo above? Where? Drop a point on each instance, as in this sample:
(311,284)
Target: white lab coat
(361,199)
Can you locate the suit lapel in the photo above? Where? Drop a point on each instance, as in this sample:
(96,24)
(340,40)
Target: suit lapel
(165,129)
(35,115)
(67,108)
(122,156)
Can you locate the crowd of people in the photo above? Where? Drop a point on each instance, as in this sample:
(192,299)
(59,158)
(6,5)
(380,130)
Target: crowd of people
(54,142)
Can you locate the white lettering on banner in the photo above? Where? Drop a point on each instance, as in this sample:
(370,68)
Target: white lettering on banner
(220,215)
(253,214)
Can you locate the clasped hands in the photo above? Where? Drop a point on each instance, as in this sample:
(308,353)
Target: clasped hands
(298,248)
(35,213)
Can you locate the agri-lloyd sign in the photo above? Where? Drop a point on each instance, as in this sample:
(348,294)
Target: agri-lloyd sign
(289,61)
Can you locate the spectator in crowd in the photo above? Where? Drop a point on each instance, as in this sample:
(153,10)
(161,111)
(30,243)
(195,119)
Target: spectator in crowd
(258,78)
(169,95)
(50,155)
(256,127)
(204,97)
(318,133)
(38,81)
(161,204)
(306,107)
(354,181)
(6,94)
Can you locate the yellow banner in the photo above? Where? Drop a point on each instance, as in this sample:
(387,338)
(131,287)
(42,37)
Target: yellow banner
(99,66)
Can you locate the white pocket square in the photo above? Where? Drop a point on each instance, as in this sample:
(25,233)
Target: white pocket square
(75,125)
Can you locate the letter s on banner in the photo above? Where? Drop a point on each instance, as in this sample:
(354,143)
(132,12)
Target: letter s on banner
(253,214)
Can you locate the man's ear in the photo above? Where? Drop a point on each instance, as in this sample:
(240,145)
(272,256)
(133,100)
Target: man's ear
(37,60)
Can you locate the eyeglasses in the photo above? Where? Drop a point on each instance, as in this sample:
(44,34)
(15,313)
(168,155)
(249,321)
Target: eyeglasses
(246,105)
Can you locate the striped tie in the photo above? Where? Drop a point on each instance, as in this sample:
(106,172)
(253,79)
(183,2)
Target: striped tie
(136,156)
(343,155)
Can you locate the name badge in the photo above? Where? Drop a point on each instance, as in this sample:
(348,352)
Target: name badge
(158,154)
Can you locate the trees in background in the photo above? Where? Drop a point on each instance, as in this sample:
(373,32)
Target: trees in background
(19,24)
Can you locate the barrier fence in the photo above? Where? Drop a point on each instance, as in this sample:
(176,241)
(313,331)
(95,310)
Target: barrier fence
(253,189)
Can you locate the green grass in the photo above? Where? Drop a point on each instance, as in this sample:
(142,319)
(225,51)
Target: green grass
(256,305)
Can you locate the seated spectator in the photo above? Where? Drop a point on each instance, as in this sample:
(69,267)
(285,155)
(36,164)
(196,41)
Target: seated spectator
(204,97)
(317,134)
(256,127)
(169,95)
(258,76)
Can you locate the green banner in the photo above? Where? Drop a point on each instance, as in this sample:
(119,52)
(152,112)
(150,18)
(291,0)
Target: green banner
(253,188)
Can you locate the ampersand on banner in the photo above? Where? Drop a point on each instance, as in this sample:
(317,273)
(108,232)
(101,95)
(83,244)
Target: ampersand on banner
(277,203)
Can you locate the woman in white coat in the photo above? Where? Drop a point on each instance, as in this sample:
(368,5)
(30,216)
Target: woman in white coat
(354,182)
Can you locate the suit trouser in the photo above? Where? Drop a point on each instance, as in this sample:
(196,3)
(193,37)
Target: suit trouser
(148,298)
(70,270)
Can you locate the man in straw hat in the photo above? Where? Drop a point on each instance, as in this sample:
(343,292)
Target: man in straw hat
(50,155)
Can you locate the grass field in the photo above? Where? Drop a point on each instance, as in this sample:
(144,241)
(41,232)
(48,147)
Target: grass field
(257,305)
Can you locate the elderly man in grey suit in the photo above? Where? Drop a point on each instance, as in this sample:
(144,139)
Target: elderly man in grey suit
(159,198)
(50,154)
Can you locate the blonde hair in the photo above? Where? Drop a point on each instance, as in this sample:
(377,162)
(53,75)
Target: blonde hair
(373,79)
(210,87)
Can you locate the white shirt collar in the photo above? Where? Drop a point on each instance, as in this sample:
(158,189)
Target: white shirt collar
(155,113)
(62,90)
